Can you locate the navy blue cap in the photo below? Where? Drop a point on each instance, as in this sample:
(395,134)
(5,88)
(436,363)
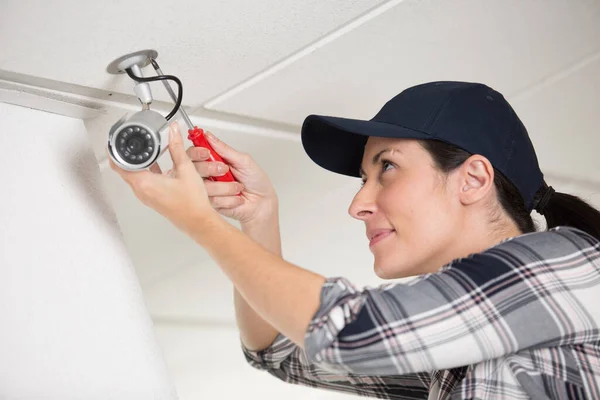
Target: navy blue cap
(471,116)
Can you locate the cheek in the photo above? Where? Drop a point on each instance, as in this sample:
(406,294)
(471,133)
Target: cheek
(422,217)
(430,217)
(409,207)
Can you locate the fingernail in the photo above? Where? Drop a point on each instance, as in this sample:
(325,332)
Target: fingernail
(203,152)
(210,136)
(240,187)
(220,167)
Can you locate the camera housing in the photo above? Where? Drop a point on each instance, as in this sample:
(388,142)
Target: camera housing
(136,142)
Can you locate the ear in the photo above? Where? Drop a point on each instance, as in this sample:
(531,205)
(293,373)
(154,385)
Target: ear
(476,179)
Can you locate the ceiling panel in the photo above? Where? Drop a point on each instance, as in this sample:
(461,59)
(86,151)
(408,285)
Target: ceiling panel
(509,44)
(562,119)
(209,45)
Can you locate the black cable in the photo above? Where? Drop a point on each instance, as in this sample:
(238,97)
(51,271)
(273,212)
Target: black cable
(162,78)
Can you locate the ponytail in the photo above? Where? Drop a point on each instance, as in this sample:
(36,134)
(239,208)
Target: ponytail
(568,210)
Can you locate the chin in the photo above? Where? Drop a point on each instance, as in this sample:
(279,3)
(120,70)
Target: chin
(388,272)
(393,270)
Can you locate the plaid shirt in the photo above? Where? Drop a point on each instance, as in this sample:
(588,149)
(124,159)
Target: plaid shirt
(519,320)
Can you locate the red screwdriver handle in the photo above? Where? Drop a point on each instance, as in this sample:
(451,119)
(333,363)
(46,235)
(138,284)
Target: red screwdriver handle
(197,137)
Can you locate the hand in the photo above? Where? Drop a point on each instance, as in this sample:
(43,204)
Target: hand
(258,200)
(179,195)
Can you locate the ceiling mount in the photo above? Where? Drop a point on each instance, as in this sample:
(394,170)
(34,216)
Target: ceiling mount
(140,58)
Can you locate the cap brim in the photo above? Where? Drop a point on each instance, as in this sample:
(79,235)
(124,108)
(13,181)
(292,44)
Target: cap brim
(338,144)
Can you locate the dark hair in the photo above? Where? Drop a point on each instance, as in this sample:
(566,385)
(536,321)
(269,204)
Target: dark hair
(561,210)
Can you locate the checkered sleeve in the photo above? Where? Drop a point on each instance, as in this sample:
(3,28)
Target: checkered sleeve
(532,291)
(289,363)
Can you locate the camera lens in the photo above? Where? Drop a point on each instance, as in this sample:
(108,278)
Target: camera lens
(135,145)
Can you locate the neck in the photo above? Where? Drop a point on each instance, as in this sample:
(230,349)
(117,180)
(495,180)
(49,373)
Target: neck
(475,238)
(484,238)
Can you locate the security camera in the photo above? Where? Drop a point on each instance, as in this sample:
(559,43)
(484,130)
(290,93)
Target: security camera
(136,142)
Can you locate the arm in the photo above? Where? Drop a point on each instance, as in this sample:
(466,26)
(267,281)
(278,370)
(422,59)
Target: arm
(257,212)
(289,363)
(493,303)
(255,332)
(265,349)
(270,285)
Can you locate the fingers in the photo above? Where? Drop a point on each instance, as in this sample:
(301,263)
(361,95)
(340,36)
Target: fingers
(198,153)
(222,188)
(126,175)
(224,195)
(134,179)
(220,147)
(226,202)
(211,168)
(139,181)
(200,156)
(176,149)
(155,168)
(238,160)
(230,155)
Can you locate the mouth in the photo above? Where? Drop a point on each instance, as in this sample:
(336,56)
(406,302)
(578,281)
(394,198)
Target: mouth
(380,236)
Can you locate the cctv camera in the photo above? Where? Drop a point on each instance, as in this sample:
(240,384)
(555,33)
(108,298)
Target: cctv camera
(136,142)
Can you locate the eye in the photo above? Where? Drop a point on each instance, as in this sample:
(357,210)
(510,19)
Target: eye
(385,164)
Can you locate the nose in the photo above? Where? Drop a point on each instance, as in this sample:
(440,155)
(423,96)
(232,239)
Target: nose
(363,205)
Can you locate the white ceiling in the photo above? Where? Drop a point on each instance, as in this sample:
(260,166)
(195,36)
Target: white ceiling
(252,70)
(210,45)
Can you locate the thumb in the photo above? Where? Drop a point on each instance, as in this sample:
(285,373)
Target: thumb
(229,154)
(176,149)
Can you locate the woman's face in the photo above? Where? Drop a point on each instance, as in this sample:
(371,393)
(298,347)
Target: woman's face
(409,208)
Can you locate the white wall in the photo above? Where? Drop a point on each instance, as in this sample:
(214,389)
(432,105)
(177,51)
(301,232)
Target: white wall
(72,320)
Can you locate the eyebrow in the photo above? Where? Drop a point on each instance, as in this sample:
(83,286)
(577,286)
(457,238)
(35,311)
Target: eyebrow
(376,158)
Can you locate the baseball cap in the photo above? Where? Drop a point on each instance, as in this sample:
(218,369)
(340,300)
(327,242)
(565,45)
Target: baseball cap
(471,116)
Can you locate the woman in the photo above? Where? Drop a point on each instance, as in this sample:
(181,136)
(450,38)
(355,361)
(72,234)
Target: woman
(450,178)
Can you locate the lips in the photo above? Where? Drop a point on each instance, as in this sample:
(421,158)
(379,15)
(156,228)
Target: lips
(377,235)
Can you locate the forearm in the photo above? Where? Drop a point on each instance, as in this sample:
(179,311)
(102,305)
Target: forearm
(255,332)
(284,295)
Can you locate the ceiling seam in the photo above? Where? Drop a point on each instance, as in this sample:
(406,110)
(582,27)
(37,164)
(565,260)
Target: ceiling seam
(303,52)
(555,77)
(88,107)
(43,89)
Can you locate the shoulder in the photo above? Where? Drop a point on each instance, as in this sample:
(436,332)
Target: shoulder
(554,243)
(560,234)
(529,254)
